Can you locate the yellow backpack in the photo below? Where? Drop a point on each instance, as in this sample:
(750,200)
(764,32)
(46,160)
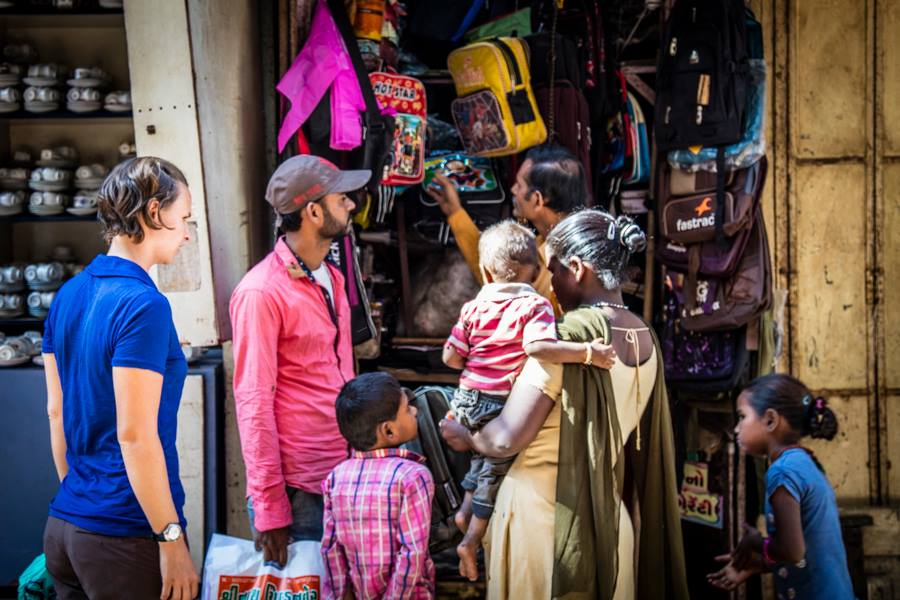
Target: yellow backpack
(495,111)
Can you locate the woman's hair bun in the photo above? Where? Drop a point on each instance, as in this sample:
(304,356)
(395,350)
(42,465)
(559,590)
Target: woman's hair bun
(630,234)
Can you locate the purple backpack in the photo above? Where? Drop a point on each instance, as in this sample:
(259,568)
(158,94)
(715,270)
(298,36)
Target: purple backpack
(699,361)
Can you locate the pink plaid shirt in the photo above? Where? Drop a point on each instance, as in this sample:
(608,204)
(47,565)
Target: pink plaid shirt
(377,522)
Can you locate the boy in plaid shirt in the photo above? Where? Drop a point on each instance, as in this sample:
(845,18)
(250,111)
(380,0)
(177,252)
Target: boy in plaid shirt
(377,515)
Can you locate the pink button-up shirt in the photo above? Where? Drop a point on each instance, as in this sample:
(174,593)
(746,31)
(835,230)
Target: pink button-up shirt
(287,374)
(376,527)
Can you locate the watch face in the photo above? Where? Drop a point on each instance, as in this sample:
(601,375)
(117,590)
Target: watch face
(172,532)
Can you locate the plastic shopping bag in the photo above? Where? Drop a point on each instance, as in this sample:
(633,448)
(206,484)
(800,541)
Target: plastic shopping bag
(234,570)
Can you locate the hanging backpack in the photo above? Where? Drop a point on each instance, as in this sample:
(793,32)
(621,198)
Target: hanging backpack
(699,361)
(689,224)
(752,145)
(405,95)
(562,51)
(702,75)
(448,467)
(722,304)
(495,111)
(560,99)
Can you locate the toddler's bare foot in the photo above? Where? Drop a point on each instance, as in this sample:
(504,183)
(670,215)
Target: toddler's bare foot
(468,563)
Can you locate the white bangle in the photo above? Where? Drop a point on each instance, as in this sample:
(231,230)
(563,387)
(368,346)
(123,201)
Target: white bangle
(590,353)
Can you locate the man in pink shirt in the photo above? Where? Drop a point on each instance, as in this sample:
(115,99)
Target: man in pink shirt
(293,354)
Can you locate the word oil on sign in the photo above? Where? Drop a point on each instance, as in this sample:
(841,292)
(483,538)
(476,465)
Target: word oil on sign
(696,503)
(268,587)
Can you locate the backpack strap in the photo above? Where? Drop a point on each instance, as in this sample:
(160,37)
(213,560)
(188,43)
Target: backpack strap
(720,196)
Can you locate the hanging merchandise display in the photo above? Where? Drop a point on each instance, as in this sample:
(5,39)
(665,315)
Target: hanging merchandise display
(702,75)
(406,96)
(495,111)
(324,64)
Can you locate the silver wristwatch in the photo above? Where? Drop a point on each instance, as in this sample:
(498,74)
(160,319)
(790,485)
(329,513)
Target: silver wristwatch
(171,533)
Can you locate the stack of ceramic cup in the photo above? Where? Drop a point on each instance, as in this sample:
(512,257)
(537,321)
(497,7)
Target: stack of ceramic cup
(43,80)
(52,180)
(43,279)
(16,58)
(87,180)
(12,288)
(14,184)
(10,96)
(84,94)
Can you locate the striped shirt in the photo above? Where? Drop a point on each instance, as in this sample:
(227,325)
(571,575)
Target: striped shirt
(376,522)
(493,330)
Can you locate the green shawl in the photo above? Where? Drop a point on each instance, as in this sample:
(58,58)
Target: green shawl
(588,490)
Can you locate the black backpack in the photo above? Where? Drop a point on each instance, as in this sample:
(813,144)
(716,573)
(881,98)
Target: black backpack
(447,466)
(702,75)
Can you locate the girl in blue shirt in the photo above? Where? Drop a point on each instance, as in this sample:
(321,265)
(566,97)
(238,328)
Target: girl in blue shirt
(804,548)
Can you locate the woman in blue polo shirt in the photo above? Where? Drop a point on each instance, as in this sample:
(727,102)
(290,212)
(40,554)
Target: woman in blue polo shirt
(115,372)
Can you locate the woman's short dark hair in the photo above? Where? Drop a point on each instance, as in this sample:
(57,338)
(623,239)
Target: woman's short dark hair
(600,240)
(790,398)
(558,176)
(124,198)
(365,403)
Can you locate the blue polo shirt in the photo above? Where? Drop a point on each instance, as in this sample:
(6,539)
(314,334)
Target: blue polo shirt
(110,315)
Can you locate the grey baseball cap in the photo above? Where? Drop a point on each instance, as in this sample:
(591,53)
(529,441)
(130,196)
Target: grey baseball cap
(303,179)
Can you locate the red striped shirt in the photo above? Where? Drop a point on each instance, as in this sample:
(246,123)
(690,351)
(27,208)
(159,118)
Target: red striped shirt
(492,331)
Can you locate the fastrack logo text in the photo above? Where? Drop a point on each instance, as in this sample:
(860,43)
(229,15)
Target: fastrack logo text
(695,223)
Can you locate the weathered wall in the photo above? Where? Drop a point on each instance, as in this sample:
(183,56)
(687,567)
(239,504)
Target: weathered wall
(832,203)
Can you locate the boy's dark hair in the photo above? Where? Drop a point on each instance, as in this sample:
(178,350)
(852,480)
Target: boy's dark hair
(790,398)
(558,176)
(365,403)
(123,201)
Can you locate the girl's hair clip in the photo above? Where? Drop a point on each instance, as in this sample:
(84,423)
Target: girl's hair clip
(820,403)
(807,399)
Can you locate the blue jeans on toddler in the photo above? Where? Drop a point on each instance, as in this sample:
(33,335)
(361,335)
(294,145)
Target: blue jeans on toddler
(473,410)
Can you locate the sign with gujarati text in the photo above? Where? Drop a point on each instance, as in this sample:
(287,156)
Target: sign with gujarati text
(697,505)
(268,587)
(696,476)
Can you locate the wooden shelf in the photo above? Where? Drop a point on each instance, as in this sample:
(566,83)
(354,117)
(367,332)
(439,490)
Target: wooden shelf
(66,115)
(30,218)
(21,322)
(32,10)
